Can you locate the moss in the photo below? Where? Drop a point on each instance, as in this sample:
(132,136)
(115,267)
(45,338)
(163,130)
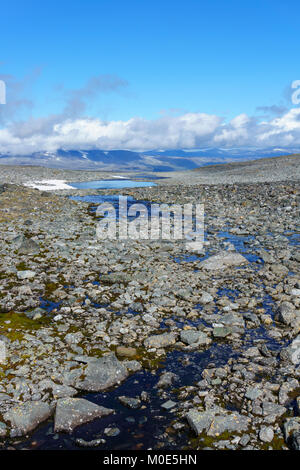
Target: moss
(21,266)
(19,324)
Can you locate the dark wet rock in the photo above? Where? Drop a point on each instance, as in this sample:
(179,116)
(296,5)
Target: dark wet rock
(295,441)
(132,403)
(112,432)
(166,379)
(94,443)
(3,430)
(27,416)
(101,373)
(72,412)
(160,341)
(290,427)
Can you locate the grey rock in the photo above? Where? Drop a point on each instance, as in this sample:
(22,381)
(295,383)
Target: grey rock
(223,260)
(285,313)
(266,434)
(168,405)
(132,403)
(29,247)
(252,393)
(221,331)
(272,411)
(215,424)
(233,422)
(27,274)
(72,412)
(293,351)
(160,341)
(102,373)
(200,421)
(192,336)
(295,441)
(166,379)
(291,425)
(27,416)
(3,430)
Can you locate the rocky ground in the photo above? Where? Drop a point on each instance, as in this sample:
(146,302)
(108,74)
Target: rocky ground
(80,316)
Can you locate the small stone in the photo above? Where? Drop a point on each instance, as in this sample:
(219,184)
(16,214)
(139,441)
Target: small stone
(123,351)
(266,434)
(168,405)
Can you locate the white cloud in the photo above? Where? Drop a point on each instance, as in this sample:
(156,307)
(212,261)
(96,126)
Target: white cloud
(190,130)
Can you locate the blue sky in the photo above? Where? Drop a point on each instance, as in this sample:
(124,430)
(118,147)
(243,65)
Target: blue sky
(165,58)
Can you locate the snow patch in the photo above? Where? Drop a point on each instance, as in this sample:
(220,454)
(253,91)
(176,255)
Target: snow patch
(49,185)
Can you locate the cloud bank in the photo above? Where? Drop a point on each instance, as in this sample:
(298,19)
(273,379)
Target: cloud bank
(69,130)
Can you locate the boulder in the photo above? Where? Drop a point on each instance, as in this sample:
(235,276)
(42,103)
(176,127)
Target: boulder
(222,260)
(101,373)
(27,416)
(72,412)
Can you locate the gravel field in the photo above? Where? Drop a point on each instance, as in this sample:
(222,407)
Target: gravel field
(139,344)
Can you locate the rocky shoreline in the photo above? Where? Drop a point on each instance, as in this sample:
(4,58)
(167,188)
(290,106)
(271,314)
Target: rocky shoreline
(79,316)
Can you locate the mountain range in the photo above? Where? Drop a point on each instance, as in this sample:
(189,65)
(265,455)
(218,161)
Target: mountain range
(126,160)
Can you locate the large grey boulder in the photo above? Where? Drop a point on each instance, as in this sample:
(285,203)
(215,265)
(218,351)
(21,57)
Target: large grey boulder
(222,260)
(214,422)
(101,373)
(194,337)
(200,421)
(285,313)
(233,422)
(27,416)
(72,412)
(160,341)
(292,352)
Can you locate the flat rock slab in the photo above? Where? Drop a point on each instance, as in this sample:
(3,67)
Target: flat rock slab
(72,412)
(214,424)
(160,341)
(223,260)
(101,373)
(27,416)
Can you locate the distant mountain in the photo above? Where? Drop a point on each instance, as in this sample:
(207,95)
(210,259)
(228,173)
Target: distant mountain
(125,160)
